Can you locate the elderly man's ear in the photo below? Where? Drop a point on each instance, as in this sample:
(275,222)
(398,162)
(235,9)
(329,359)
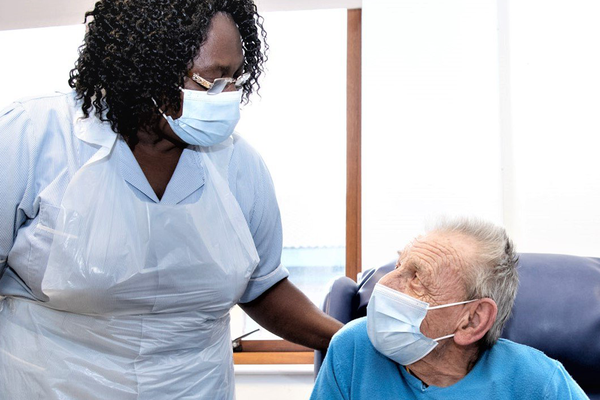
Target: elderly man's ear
(476,322)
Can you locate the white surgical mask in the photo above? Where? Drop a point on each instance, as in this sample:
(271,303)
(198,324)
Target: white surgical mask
(206,119)
(393,325)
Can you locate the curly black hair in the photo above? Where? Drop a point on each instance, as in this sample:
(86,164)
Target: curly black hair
(137,52)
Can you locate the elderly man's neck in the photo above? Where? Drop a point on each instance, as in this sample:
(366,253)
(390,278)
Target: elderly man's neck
(445,366)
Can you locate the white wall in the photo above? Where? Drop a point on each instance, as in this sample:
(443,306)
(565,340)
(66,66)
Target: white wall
(430,117)
(486,108)
(554,186)
(32,63)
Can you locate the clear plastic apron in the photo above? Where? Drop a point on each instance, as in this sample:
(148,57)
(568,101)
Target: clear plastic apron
(138,293)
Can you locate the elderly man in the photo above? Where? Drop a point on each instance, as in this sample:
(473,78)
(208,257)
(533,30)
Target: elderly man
(433,326)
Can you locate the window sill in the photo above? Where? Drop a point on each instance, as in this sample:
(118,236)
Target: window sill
(272,352)
(264,357)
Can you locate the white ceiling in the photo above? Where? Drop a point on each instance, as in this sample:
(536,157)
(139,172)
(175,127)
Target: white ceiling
(20,14)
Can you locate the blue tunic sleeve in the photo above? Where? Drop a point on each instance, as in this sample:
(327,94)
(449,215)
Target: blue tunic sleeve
(17,156)
(251,184)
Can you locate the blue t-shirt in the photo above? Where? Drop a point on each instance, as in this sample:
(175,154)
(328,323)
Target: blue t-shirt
(353,369)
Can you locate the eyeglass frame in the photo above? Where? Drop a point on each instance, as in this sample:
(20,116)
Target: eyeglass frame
(218,85)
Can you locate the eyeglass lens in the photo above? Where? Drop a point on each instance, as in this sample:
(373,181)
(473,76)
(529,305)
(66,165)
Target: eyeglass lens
(218,86)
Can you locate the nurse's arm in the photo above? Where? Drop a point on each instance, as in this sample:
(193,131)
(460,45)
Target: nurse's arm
(19,149)
(285,311)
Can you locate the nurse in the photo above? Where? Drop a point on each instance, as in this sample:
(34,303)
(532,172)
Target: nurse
(133,217)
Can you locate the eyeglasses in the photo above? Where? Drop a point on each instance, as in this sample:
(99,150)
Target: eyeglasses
(219,84)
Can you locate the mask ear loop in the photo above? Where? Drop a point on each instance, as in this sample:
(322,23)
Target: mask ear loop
(444,337)
(157,107)
(165,116)
(449,305)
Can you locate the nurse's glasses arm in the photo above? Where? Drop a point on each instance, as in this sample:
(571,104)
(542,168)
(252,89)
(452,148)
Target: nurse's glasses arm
(285,311)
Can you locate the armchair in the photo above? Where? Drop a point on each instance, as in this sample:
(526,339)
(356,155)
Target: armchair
(557,310)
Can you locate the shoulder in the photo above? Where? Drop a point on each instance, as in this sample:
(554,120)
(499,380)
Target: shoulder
(522,364)
(355,329)
(39,135)
(521,357)
(44,105)
(245,158)
(353,336)
(506,349)
(52,113)
(359,369)
(242,145)
(248,174)
(533,370)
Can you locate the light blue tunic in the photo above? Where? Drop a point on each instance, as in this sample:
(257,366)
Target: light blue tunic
(353,369)
(39,153)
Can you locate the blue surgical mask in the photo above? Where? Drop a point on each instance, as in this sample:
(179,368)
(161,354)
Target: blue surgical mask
(393,325)
(206,119)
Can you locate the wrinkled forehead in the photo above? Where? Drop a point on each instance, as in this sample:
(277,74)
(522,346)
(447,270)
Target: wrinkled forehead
(438,251)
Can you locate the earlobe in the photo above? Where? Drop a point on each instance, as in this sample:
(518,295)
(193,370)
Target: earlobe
(477,322)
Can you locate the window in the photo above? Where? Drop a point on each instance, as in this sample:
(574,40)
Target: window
(298,125)
(307,248)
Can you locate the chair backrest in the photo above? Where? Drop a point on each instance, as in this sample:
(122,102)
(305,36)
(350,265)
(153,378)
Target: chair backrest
(347,300)
(340,303)
(366,285)
(557,310)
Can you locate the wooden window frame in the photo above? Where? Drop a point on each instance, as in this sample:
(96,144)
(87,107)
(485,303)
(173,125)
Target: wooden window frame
(282,351)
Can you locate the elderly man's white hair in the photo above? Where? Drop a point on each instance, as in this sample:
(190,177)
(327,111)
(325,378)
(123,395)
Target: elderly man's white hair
(493,273)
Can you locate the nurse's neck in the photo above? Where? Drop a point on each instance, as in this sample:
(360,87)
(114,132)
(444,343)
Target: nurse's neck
(157,152)
(160,139)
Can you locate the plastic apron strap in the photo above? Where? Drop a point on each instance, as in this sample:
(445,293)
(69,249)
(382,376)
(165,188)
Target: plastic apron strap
(216,160)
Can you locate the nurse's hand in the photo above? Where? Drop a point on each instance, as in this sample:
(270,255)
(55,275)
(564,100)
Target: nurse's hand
(285,311)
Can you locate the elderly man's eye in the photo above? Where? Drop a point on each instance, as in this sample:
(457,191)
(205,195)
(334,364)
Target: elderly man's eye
(417,279)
